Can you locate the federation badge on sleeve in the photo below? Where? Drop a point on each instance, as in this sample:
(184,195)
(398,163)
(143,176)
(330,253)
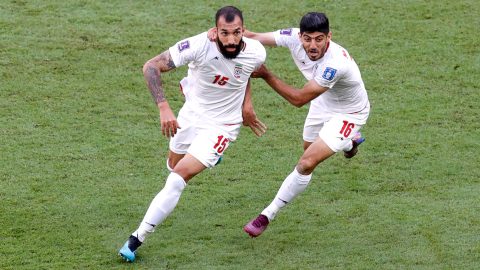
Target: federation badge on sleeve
(329,73)
(183,45)
(237,71)
(286,32)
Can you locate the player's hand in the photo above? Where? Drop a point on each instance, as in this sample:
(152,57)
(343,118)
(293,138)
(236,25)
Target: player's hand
(169,122)
(260,72)
(248,33)
(250,119)
(212,34)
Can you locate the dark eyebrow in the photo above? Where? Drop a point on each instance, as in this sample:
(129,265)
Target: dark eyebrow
(314,37)
(225,30)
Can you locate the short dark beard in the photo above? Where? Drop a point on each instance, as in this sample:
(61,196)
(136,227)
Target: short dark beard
(227,54)
(321,53)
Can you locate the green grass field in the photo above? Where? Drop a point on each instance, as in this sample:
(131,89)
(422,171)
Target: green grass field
(82,154)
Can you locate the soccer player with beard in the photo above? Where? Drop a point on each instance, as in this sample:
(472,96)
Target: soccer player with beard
(339,103)
(217,92)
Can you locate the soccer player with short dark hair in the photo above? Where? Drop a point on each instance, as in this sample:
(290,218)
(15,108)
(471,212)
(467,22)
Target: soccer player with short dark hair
(339,103)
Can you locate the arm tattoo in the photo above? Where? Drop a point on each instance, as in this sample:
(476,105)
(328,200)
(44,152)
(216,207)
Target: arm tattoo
(154,83)
(162,63)
(169,62)
(165,61)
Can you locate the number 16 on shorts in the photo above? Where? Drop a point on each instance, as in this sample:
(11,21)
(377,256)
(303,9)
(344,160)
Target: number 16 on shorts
(221,144)
(347,128)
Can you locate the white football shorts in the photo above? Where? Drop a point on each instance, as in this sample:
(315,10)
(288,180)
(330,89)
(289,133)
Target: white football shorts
(204,140)
(336,130)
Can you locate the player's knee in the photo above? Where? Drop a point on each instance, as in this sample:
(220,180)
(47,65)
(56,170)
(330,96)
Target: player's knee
(184,173)
(186,170)
(306,165)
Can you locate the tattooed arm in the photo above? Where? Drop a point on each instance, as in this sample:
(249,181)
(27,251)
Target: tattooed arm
(152,71)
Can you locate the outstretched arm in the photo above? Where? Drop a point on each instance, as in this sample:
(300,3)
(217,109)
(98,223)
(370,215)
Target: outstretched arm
(152,71)
(249,116)
(267,39)
(297,97)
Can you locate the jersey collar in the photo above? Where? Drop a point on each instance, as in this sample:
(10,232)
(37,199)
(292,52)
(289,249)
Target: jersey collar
(328,46)
(244,45)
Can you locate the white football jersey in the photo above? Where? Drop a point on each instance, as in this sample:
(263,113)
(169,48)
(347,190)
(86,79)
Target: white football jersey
(335,70)
(215,86)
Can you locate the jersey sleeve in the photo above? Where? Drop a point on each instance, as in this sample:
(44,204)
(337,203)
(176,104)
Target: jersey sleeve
(286,37)
(187,50)
(262,55)
(328,74)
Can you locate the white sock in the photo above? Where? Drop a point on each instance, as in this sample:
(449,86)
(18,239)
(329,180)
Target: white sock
(349,146)
(292,186)
(168,166)
(161,206)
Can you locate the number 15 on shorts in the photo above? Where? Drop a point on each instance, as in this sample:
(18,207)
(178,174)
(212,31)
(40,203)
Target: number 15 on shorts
(221,144)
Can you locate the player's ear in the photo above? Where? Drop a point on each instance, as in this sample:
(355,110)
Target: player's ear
(243,29)
(329,36)
(300,36)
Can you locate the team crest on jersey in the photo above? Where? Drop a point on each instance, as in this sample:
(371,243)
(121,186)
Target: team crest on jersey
(237,71)
(329,73)
(286,32)
(183,45)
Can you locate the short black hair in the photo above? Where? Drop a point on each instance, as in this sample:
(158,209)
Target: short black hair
(229,12)
(315,22)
